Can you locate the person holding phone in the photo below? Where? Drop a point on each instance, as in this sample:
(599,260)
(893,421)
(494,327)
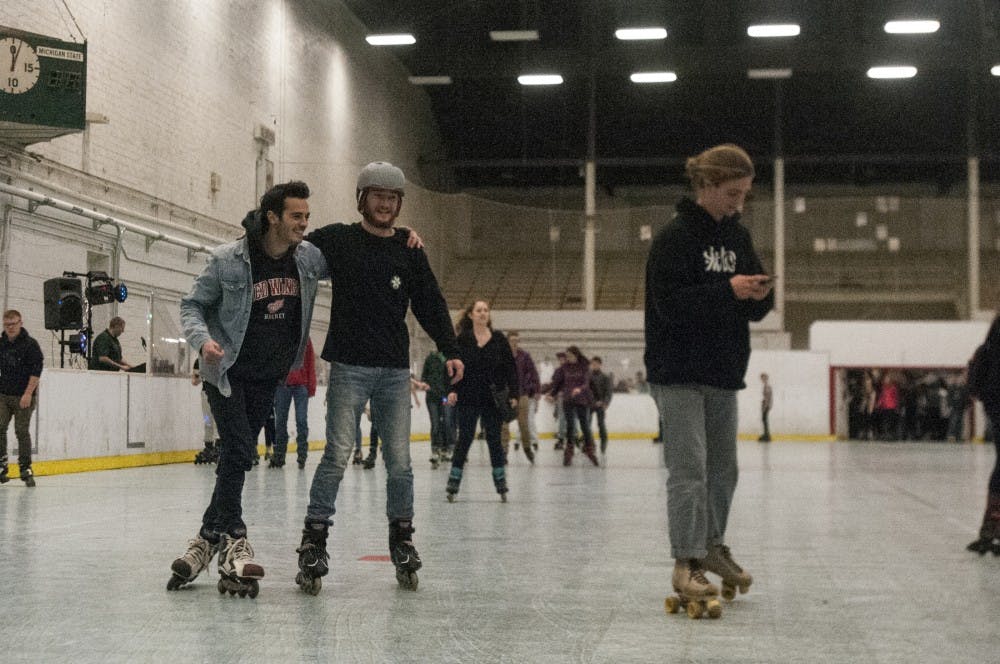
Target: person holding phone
(704,284)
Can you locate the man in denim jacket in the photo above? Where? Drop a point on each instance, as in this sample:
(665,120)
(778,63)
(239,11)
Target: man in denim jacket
(248,315)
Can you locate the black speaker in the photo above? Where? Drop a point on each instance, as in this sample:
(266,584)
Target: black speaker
(63,304)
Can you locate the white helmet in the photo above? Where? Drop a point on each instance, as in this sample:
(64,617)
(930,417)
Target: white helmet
(381,175)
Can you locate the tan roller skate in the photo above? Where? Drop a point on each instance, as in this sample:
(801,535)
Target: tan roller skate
(720,561)
(694,592)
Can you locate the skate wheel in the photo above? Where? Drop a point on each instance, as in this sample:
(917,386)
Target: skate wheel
(222,587)
(694,610)
(672,604)
(728,592)
(714,609)
(175,582)
(243,592)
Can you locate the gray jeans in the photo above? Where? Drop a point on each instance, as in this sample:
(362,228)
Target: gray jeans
(699,448)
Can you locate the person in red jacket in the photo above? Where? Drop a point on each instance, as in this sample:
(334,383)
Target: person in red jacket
(297,387)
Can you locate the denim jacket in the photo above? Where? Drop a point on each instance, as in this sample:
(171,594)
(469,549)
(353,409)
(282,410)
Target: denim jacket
(218,306)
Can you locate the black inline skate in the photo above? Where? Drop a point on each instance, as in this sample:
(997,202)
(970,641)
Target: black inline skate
(989,532)
(403,555)
(313,558)
(454,482)
(208,455)
(27,476)
(4,471)
(358,460)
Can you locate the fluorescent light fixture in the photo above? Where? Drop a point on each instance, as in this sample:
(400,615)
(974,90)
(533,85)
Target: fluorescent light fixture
(920,27)
(390,40)
(634,34)
(774,30)
(653,77)
(514,35)
(892,72)
(540,79)
(995,70)
(430,80)
(758,74)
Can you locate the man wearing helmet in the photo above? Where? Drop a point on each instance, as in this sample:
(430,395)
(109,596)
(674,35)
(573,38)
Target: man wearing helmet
(376,278)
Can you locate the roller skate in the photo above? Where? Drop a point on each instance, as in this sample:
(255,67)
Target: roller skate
(27,476)
(237,570)
(276,461)
(403,555)
(989,533)
(559,444)
(187,568)
(358,460)
(720,561)
(454,481)
(500,482)
(589,451)
(313,558)
(302,464)
(694,593)
(268,453)
(530,453)
(4,471)
(435,459)
(208,455)
(370,460)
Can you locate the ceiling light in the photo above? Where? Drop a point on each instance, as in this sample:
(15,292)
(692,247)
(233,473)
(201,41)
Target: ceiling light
(390,40)
(540,79)
(653,77)
(920,27)
(995,70)
(758,74)
(892,72)
(774,30)
(632,34)
(430,80)
(514,35)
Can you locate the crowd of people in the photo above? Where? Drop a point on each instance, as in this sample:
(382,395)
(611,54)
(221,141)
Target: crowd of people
(895,404)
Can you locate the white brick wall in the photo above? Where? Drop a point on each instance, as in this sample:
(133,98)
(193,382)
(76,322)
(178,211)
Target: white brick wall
(185,82)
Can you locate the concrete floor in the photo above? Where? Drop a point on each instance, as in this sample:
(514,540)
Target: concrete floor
(857,551)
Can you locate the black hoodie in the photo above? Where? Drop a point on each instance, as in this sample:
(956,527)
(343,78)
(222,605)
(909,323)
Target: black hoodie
(696,329)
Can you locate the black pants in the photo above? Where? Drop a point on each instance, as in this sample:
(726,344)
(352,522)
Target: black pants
(601,428)
(239,418)
(468,415)
(994,418)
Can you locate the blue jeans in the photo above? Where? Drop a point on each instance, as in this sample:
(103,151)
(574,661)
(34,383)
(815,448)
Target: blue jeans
(699,447)
(349,388)
(441,427)
(284,396)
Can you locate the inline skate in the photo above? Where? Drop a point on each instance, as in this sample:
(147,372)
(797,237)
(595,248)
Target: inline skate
(313,558)
(187,568)
(237,570)
(403,554)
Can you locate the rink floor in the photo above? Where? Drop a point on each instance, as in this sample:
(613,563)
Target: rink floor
(857,553)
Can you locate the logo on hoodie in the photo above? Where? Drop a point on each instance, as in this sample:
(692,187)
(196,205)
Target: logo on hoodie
(719,260)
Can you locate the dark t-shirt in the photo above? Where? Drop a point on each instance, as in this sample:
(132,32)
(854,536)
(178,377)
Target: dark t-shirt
(375,280)
(105,345)
(20,359)
(272,335)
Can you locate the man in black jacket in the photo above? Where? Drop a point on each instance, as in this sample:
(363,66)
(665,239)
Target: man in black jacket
(20,369)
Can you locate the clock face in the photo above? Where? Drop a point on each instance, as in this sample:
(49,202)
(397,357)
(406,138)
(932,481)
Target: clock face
(19,67)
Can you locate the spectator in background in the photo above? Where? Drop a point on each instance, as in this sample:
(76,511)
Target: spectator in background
(600,385)
(529,387)
(107,350)
(298,387)
(887,407)
(435,376)
(958,401)
(571,384)
(765,408)
(20,370)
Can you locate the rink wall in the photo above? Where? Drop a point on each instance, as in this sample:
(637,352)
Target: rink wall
(94,420)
